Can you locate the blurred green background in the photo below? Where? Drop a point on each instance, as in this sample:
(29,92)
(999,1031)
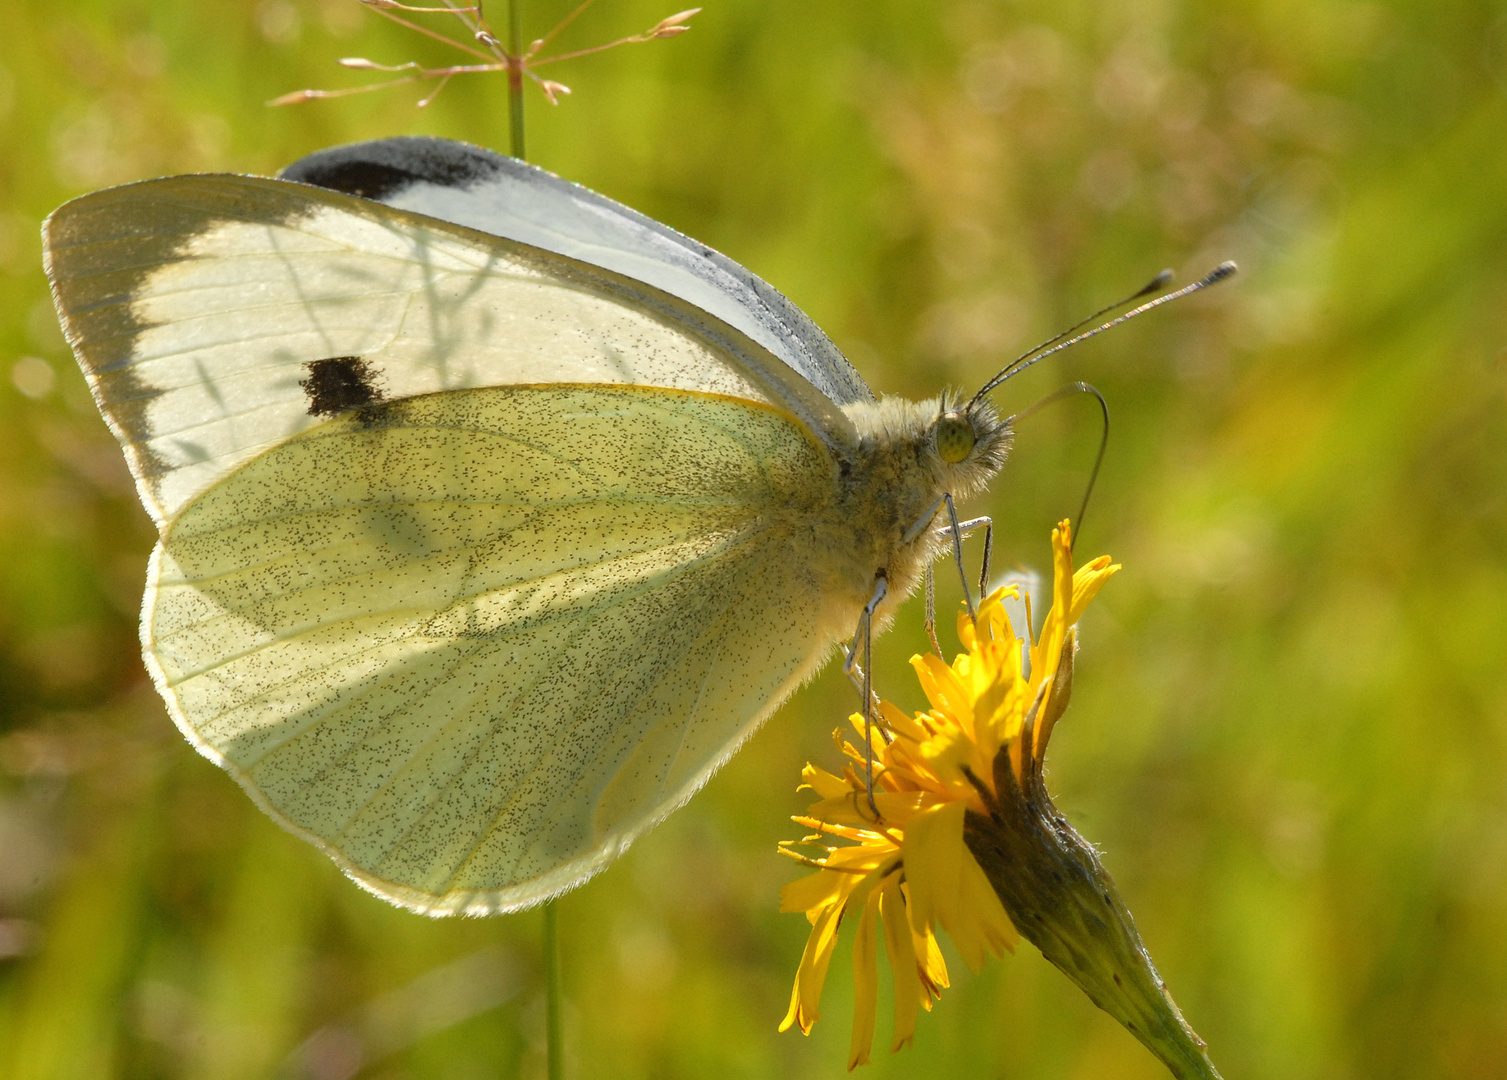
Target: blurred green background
(1290,732)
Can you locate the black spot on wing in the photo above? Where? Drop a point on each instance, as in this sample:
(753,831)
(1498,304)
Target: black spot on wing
(340,383)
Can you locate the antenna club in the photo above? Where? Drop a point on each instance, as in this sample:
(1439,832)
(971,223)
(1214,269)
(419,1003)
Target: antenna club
(1219,273)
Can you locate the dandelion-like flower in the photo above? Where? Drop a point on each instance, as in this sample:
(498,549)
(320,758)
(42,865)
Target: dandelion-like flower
(967,841)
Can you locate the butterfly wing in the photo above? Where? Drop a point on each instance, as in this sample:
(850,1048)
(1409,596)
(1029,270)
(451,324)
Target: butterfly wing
(473,644)
(475,187)
(475,560)
(216,316)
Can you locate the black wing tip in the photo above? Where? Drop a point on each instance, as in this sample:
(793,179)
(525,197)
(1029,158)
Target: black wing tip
(381,169)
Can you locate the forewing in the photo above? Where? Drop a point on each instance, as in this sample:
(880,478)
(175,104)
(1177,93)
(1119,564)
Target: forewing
(217,316)
(483,190)
(472,643)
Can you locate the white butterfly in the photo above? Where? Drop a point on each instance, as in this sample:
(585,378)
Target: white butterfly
(494,515)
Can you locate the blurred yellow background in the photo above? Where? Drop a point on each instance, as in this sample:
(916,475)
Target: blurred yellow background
(1290,729)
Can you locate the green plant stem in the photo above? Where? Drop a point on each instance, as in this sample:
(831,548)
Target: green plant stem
(515,79)
(553,1020)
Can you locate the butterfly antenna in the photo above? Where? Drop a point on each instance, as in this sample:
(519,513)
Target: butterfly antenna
(1151,286)
(1057,344)
(1093,476)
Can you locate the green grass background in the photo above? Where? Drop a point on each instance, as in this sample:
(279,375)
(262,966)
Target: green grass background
(1290,732)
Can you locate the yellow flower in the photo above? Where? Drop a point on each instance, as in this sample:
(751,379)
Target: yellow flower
(911,869)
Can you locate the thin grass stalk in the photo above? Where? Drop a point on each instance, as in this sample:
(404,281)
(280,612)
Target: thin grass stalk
(554,1028)
(515,83)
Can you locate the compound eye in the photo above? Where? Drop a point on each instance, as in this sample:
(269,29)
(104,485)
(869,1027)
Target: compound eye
(955,437)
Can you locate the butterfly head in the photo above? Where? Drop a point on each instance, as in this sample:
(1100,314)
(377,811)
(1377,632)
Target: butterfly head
(970,440)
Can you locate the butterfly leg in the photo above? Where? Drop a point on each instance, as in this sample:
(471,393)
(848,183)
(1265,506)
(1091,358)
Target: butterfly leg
(956,531)
(957,553)
(863,679)
(931,609)
(988,524)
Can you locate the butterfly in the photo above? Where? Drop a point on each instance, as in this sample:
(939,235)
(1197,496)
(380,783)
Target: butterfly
(493,515)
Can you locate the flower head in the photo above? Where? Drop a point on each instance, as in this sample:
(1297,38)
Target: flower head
(911,868)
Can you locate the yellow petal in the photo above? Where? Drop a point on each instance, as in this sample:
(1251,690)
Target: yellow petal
(847,832)
(939,869)
(1045,653)
(822,782)
(865,860)
(898,722)
(944,689)
(792,1013)
(910,767)
(993,615)
(812,891)
(865,984)
(967,631)
(933,967)
(933,844)
(989,664)
(895,808)
(946,754)
(994,719)
(1062,560)
(982,913)
(806,999)
(856,720)
(897,943)
(1087,582)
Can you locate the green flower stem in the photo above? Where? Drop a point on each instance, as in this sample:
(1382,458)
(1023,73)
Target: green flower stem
(554,1031)
(1064,902)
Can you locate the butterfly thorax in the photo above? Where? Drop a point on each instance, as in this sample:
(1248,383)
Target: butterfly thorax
(885,515)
